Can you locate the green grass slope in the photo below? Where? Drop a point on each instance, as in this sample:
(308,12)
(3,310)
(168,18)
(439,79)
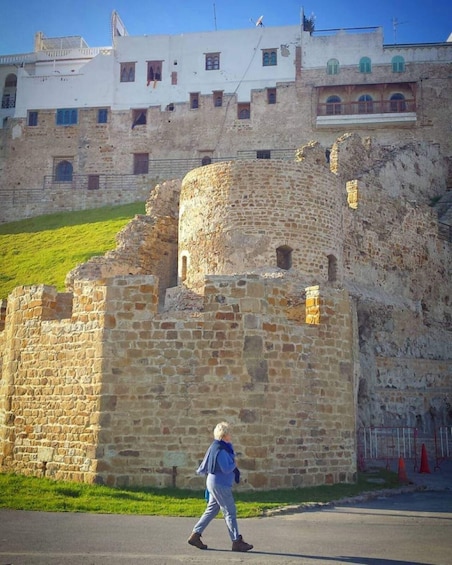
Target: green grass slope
(44,249)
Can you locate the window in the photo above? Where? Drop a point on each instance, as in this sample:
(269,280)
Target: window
(365,104)
(11,81)
(333,106)
(284,257)
(212,61)
(184,268)
(194,100)
(127,72)
(9,92)
(271,95)
(138,117)
(66,117)
(218,98)
(398,103)
(206,161)
(243,111)
(32,118)
(365,65)
(93,182)
(154,71)
(141,163)
(269,57)
(63,171)
(332,67)
(398,64)
(332,268)
(102,116)
(263,154)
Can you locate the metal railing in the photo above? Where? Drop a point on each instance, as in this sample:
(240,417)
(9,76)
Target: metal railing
(158,169)
(366,107)
(8,101)
(94,182)
(381,443)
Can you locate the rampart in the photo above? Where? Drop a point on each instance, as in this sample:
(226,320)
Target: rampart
(299,301)
(117,393)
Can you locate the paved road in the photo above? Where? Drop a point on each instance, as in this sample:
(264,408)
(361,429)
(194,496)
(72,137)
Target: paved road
(406,529)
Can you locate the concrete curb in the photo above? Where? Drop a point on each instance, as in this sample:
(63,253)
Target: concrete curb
(363,497)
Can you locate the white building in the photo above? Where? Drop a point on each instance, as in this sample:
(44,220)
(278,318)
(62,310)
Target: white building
(159,105)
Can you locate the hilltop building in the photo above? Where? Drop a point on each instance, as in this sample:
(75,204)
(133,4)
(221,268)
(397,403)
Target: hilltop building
(299,288)
(111,121)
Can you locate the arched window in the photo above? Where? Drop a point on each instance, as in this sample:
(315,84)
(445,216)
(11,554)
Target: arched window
(206,160)
(11,81)
(365,65)
(63,171)
(9,92)
(398,64)
(365,104)
(284,257)
(332,67)
(398,103)
(333,106)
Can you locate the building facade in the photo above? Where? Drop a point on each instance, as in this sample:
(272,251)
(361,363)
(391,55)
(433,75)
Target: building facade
(150,108)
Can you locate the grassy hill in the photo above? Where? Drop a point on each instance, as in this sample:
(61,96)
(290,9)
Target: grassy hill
(44,249)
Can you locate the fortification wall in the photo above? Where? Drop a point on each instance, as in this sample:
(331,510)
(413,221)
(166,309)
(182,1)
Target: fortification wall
(398,271)
(51,382)
(122,395)
(235,216)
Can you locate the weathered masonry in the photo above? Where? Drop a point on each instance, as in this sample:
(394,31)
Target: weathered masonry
(297,300)
(82,127)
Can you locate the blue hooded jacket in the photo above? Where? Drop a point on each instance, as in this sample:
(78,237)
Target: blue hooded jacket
(219,461)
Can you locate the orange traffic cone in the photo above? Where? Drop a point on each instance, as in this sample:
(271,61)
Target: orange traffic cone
(402,471)
(424,461)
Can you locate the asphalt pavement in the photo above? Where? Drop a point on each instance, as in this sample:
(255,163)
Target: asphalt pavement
(409,526)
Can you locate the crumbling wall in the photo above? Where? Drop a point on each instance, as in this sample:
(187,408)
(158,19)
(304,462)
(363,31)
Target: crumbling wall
(146,245)
(398,270)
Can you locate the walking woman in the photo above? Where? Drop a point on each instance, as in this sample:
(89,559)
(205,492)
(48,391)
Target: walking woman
(219,466)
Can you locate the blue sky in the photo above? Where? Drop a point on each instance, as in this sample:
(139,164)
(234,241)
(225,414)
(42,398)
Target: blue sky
(417,22)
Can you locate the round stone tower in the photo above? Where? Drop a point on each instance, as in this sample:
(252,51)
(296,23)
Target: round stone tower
(239,216)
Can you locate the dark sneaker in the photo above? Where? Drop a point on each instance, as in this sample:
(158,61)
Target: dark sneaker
(240,545)
(195,539)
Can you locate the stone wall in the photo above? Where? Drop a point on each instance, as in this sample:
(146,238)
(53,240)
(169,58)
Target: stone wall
(119,394)
(226,227)
(398,270)
(28,153)
(355,333)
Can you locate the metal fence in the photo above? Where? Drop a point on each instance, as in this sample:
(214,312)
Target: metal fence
(387,444)
(158,169)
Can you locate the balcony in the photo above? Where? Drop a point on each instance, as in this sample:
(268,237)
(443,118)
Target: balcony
(369,112)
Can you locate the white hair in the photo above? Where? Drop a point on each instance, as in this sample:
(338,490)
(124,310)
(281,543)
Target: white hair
(222,429)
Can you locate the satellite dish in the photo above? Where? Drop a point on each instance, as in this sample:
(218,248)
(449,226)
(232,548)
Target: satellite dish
(259,21)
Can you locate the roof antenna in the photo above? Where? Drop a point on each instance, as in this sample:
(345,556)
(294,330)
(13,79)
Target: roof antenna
(259,21)
(215,16)
(395,24)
